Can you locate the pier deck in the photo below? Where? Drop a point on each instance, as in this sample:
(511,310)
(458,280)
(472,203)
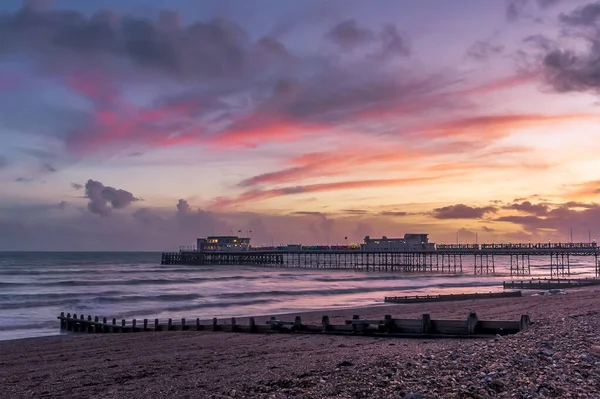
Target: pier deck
(446,259)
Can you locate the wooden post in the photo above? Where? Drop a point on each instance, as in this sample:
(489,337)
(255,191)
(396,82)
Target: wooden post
(233,325)
(297,323)
(325,323)
(389,324)
(471,323)
(145,324)
(69,324)
(113,328)
(97,328)
(89,324)
(133,324)
(169,325)
(271,324)
(183,327)
(63,323)
(75,323)
(252,324)
(156,325)
(426,324)
(197,324)
(123,323)
(215,325)
(355,327)
(82,324)
(104,325)
(525,321)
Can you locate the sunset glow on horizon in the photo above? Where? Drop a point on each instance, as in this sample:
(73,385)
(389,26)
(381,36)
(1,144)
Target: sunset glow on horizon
(128,126)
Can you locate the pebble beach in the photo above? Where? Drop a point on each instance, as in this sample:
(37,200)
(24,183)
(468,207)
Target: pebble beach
(557,357)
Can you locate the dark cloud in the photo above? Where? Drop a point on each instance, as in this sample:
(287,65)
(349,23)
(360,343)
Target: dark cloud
(308,213)
(547,3)
(528,207)
(393,43)
(62,205)
(349,35)
(568,70)
(103,199)
(212,49)
(24,179)
(587,15)
(48,168)
(157,229)
(461,211)
(541,42)
(575,204)
(393,213)
(483,50)
(518,8)
(582,218)
(94,54)
(183,206)
(76,186)
(515,9)
(355,211)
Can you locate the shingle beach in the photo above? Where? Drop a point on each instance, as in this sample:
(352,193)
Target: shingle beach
(557,357)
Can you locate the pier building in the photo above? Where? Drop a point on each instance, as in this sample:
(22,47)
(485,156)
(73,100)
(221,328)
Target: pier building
(223,244)
(410,242)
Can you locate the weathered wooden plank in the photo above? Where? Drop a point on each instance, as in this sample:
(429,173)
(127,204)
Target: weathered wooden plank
(387,326)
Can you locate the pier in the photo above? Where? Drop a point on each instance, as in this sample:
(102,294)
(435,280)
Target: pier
(470,327)
(439,259)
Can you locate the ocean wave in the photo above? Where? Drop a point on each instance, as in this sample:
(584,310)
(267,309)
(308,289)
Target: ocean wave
(383,277)
(354,290)
(150,281)
(31,326)
(197,306)
(143,298)
(83,301)
(93,271)
(54,295)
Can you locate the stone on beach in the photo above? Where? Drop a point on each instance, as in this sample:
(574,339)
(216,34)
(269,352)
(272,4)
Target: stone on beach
(556,357)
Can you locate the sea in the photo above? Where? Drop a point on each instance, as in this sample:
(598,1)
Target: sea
(36,286)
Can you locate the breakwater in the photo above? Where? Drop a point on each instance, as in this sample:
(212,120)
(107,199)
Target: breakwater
(425,327)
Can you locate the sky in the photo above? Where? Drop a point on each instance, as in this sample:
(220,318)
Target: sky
(142,125)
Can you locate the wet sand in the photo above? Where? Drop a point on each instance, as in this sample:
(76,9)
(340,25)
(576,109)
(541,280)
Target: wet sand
(557,357)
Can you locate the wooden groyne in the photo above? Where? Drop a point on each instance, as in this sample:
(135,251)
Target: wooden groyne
(451,297)
(424,327)
(550,284)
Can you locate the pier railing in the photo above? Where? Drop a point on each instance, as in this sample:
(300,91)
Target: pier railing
(425,327)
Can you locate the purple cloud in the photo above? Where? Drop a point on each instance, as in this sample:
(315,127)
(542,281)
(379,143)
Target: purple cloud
(103,199)
(461,211)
